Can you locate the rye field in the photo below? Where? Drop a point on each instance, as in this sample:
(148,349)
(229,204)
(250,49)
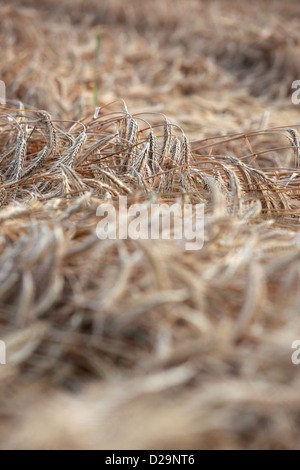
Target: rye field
(136,343)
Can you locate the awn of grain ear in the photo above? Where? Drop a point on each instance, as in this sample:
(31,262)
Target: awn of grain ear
(167,142)
(185,152)
(132,138)
(236,191)
(124,123)
(38,162)
(140,160)
(73,178)
(70,159)
(50,127)
(296,145)
(116,181)
(175,151)
(167,180)
(152,154)
(16,167)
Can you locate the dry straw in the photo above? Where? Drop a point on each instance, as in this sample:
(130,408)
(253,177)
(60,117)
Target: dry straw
(139,343)
(94,307)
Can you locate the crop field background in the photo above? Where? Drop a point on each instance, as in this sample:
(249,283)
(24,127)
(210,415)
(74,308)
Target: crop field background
(142,344)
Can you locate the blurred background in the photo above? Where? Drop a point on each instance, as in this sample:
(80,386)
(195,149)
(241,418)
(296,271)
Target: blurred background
(212,66)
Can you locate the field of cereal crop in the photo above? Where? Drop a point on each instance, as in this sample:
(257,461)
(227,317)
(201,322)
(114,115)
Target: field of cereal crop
(124,343)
